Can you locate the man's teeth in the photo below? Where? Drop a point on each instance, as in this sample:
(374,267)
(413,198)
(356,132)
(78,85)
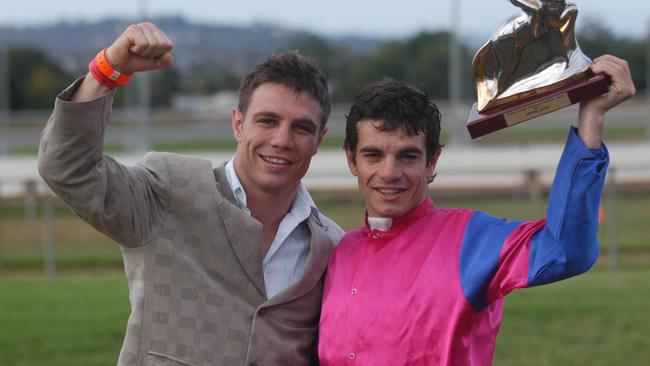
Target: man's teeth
(275,160)
(389,191)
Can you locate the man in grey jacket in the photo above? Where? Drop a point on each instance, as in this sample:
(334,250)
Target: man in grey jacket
(224,265)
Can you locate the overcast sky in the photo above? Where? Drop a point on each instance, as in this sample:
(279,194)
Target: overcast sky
(392,18)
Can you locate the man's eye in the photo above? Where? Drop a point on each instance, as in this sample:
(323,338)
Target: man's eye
(305,128)
(265,121)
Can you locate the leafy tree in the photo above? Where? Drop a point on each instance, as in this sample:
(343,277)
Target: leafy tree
(316,47)
(595,40)
(208,79)
(333,59)
(422,60)
(164,84)
(34,80)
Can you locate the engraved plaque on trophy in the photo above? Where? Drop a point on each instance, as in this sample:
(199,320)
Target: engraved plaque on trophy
(532,65)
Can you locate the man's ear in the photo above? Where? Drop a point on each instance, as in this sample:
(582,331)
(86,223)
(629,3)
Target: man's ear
(434,161)
(351,161)
(321,135)
(237,123)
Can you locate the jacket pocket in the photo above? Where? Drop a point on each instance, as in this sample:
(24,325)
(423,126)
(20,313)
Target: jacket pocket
(161,359)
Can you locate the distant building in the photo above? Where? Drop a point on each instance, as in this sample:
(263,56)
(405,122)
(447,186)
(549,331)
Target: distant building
(217,105)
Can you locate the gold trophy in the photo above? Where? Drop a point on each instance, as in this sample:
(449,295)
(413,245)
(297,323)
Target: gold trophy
(532,65)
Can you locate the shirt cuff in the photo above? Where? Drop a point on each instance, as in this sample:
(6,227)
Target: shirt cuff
(576,143)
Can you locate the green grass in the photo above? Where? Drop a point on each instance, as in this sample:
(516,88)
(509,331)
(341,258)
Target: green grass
(77,245)
(69,320)
(79,316)
(633,214)
(333,142)
(209,144)
(530,134)
(517,135)
(597,319)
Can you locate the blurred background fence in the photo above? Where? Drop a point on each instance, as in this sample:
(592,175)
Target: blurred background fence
(37,232)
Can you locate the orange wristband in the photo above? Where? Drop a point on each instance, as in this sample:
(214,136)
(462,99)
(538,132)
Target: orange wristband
(105,69)
(94,71)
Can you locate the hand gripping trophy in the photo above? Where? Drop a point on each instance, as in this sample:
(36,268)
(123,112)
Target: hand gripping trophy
(531,65)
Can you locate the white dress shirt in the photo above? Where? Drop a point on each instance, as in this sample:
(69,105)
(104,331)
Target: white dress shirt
(284,263)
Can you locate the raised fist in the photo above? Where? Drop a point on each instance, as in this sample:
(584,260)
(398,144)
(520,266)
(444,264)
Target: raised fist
(141,47)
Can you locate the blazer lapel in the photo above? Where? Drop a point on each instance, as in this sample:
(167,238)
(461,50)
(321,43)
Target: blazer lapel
(244,232)
(319,252)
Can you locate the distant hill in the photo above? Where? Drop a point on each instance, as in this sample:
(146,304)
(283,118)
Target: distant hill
(72,44)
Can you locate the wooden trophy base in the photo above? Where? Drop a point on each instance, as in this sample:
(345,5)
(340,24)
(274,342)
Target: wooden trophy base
(480,124)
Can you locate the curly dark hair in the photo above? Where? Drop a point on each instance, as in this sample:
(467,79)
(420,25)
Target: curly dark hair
(300,73)
(397,105)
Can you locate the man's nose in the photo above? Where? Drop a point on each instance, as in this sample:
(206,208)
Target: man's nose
(282,137)
(390,170)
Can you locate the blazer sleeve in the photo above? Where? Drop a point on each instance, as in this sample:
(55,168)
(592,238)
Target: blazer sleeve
(126,203)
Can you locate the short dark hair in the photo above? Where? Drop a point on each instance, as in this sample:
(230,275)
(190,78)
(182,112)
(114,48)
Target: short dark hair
(397,105)
(293,70)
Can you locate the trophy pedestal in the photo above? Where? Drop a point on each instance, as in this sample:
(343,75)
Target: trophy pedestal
(480,124)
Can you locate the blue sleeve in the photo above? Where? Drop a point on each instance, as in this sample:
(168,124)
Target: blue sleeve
(498,256)
(568,244)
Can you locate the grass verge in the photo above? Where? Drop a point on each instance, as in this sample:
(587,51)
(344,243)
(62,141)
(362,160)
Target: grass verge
(79,319)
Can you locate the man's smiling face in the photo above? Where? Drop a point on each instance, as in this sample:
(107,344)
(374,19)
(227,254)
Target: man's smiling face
(276,138)
(391,169)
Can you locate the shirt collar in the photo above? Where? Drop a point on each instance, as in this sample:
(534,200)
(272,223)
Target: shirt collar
(302,206)
(236,187)
(397,223)
(379,223)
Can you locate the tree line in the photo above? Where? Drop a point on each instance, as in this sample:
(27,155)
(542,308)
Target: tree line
(422,60)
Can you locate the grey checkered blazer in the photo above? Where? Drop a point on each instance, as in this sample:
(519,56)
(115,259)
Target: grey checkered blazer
(191,256)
